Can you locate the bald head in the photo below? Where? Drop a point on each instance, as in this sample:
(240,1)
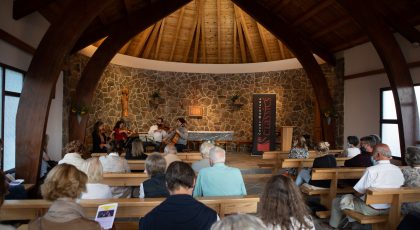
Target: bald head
(170,149)
(217,155)
(382,152)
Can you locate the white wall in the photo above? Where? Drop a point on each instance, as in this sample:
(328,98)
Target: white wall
(362,95)
(30,30)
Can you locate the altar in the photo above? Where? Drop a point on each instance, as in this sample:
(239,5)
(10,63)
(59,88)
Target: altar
(210,135)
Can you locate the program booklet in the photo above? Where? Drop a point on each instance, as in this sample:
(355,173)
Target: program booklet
(106,214)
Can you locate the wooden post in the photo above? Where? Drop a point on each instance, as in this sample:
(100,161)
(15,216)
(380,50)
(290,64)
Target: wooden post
(286,137)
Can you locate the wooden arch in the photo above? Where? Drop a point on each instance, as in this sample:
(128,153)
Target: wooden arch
(103,55)
(284,32)
(40,81)
(395,66)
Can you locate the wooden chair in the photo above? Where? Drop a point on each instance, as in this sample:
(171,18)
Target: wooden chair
(395,197)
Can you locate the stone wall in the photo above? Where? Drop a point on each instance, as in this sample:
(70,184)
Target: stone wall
(295,98)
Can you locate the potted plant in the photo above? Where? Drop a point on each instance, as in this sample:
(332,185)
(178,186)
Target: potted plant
(234,97)
(156,99)
(79,111)
(330,113)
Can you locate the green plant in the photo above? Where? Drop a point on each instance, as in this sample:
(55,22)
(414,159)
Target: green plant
(234,97)
(79,109)
(330,112)
(155,94)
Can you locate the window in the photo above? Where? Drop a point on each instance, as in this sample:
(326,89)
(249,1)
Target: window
(11,83)
(389,122)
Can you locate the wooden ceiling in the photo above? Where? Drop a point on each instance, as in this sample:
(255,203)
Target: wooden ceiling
(217,31)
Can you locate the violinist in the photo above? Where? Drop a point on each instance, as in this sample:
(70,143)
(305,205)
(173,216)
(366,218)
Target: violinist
(120,132)
(179,136)
(158,132)
(99,138)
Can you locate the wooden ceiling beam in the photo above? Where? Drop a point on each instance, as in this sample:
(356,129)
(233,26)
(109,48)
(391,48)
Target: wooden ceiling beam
(281,47)
(332,26)
(178,28)
(235,34)
(159,41)
(312,11)
(219,32)
(197,35)
(22,8)
(142,41)
(40,81)
(203,34)
(395,65)
(191,36)
(283,31)
(240,34)
(97,63)
(247,35)
(279,6)
(264,42)
(152,39)
(12,40)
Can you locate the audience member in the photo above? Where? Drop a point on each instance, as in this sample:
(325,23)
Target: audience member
(239,222)
(99,138)
(158,132)
(377,139)
(352,150)
(74,151)
(203,163)
(382,175)
(219,179)
(94,188)
(120,132)
(170,154)
(63,185)
(279,192)
(326,160)
(181,132)
(136,152)
(299,150)
(412,176)
(155,186)
(113,163)
(3,192)
(180,210)
(364,159)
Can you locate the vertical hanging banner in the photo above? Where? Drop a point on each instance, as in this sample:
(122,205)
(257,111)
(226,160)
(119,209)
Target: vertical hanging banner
(264,123)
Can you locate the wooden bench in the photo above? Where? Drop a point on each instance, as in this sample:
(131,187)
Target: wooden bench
(127,207)
(328,194)
(396,197)
(136,164)
(124,179)
(190,157)
(308,162)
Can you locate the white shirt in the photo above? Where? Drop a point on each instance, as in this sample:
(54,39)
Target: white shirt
(352,152)
(114,163)
(76,160)
(158,135)
(97,191)
(382,175)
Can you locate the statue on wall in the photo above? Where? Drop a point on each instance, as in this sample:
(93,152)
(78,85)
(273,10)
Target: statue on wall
(124,102)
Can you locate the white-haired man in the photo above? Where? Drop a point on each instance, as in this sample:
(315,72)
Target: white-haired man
(205,151)
(219,179)
(382,175)
(170,154)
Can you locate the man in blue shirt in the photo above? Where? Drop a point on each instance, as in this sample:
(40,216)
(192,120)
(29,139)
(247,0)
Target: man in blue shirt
(219,179)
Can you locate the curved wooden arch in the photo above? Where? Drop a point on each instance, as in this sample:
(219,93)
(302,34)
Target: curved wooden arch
(104,54)
(395,66)
(40,81)
(279,28)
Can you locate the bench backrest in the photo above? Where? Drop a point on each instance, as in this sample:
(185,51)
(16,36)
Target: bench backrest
(124,179)
(308,162)
(190,157)
(136,164)
(127,208)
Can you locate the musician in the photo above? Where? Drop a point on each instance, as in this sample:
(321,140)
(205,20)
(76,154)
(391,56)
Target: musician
(158,132)
(120,132)
(99,138)
(182,133)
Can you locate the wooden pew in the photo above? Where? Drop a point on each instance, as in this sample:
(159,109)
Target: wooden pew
(124,179)
(395,197)
(136,164)
(301,163)
(190,157)
(127,208)
(328,194)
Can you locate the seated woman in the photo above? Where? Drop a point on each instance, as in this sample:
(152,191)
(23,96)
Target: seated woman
(205,162)
(352,150)
(94,188)
(120,132)
(412,176)
(136,152)
(282,205)
(113,163)
(298,151)
(63,185)
(325,160)
(156,185)
(99,138)
(74,151)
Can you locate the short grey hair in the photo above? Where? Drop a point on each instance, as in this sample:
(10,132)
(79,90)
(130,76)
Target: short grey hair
(205,149)
(383,149)
(239,221)
(217,155)
(412,157)
(170,148)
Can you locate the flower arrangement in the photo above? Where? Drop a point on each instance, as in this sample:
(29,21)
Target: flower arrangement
(79,109)
(323,147)
(330,112)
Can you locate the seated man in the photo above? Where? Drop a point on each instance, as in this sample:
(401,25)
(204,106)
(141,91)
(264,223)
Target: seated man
(382,175)
(156,185)
(180,210)
(169,153)
(219,179)
(364,158)
(203,163)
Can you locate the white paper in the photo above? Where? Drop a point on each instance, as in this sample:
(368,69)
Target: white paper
(106,214)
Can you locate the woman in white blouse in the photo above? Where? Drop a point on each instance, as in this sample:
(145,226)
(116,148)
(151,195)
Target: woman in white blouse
(94,188)
(282,205)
